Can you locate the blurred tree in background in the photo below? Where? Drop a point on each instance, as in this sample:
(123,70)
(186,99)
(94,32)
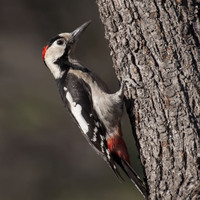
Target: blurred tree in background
(42,153)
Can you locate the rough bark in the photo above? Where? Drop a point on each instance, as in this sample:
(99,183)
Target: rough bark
(157,42)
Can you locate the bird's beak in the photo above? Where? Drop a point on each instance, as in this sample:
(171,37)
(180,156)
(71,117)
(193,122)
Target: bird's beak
(75,35)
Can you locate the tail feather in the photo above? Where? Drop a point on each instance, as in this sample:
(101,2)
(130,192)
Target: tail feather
(129,172)
(113,166)
(134,178)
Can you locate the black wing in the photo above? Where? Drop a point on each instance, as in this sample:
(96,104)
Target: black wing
(76,95)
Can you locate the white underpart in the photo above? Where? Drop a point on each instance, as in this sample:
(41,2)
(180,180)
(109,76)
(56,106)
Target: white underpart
(76,111)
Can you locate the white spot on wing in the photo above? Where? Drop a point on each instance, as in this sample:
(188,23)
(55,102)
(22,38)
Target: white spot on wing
(102,147)
(108,154)
(97,124)
(76,111)
(95,130)
(102,137)
(102,143)
(94,138)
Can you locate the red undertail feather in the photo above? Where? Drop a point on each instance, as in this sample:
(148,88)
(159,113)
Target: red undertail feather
(116,145)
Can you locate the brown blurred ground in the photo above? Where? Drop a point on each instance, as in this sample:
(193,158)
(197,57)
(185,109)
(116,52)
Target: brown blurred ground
(42,153)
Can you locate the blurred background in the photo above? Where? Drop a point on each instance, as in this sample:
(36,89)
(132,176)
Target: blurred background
(43,155)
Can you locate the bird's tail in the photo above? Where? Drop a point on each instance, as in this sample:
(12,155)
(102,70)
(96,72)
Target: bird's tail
(134,178)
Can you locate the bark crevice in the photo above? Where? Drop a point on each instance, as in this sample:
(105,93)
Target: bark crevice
(157,43)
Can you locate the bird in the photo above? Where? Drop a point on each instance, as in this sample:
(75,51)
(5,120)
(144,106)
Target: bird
(95,110)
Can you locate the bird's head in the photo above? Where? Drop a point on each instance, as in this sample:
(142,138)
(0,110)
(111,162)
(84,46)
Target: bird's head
(57,54)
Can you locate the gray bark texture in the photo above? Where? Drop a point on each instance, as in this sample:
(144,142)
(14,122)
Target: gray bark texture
(157,43)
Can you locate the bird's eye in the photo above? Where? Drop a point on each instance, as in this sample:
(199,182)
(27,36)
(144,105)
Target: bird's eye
(60,42)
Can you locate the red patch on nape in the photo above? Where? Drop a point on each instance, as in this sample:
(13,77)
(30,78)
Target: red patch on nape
(44,51)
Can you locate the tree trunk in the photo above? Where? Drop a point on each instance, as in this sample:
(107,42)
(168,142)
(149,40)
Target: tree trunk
(157,42)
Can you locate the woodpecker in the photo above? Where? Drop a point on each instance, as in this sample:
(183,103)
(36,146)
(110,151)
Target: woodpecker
(96,111)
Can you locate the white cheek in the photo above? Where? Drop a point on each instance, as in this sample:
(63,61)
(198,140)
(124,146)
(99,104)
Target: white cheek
(54,68)
(52,54)
(76,110)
